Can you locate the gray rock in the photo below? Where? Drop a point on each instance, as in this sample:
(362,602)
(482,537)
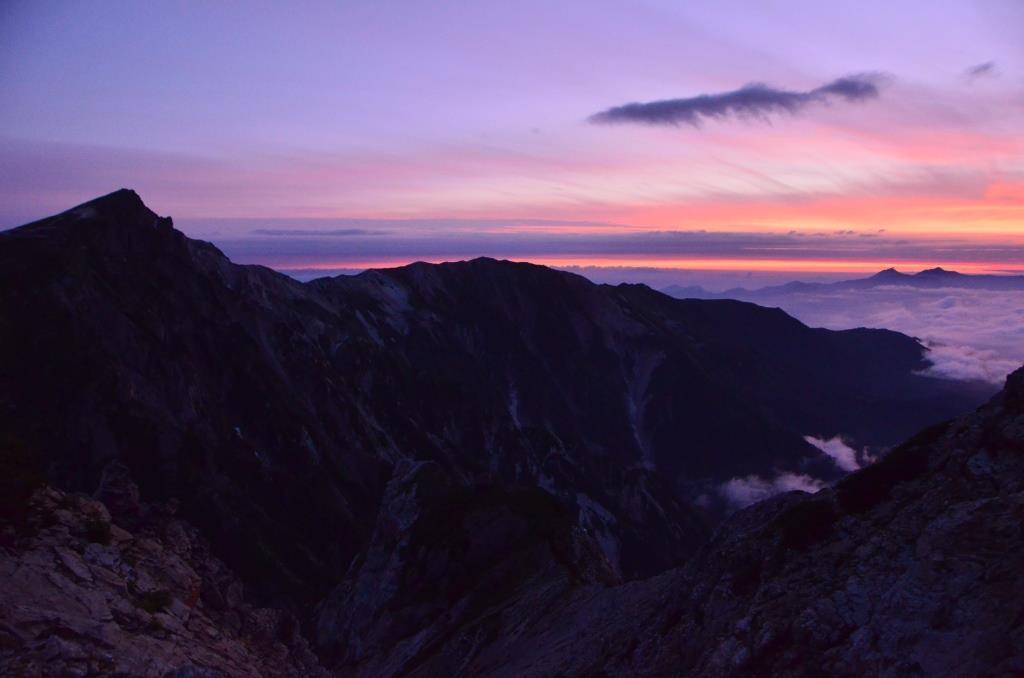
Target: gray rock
(70,607)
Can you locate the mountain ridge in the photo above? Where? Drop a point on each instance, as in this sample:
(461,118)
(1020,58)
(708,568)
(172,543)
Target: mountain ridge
(329,436)
(936,277)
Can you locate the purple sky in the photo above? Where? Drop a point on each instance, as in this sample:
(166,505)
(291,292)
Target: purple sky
(445,130)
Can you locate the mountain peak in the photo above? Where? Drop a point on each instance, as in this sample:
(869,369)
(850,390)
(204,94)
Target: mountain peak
(937,271)
(117,225)
(887,273)
(123,204)
(122,209)
(122,197)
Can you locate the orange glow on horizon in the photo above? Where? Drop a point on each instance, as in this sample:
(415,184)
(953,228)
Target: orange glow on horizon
(696,264)
(999,213)
(947,208)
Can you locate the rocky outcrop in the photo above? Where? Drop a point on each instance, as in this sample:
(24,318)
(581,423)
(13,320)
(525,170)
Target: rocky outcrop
(81,595)
(911,566)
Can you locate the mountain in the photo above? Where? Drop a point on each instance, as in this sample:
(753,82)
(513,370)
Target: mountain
(908,567)
(396,457)
(969,322)
(931,278)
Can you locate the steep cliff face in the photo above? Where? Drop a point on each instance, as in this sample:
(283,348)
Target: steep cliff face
(448,571)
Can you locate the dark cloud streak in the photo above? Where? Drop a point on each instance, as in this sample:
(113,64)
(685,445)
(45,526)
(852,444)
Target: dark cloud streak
(981,70)
(753,101)
(329,233)
(403,247)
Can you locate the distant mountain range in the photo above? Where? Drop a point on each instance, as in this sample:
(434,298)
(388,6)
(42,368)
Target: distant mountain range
(932,278)
(418,463)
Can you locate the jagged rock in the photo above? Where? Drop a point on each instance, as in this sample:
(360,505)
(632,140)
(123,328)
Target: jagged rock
(119,493)
(77,607)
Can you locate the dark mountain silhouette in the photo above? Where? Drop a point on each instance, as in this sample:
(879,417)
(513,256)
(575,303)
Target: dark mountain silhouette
(414,448)
(931,278)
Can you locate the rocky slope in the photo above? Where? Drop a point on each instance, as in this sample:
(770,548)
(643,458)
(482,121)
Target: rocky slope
(909,567)
(82,595)
(449,571)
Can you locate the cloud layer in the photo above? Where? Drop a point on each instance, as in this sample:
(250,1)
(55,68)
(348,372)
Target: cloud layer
(740,492)
(971,334)
(753,101)
(844,456)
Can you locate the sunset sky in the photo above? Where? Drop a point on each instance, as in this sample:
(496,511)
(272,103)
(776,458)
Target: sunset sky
(344,135)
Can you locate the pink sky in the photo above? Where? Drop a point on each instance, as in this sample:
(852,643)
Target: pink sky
(430,125)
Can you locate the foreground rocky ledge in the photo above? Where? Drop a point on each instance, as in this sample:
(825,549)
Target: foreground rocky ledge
(82,595)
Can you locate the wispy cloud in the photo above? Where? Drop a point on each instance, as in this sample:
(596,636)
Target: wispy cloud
(740,492)
(352,227)
(743,491)
(296,245)
(753,101)
(844,456)
(305,232)
(981,70)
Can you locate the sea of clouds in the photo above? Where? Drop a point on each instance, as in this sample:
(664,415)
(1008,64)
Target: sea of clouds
(970,333)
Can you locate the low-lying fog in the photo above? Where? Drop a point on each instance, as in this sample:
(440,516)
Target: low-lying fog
(972,333)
